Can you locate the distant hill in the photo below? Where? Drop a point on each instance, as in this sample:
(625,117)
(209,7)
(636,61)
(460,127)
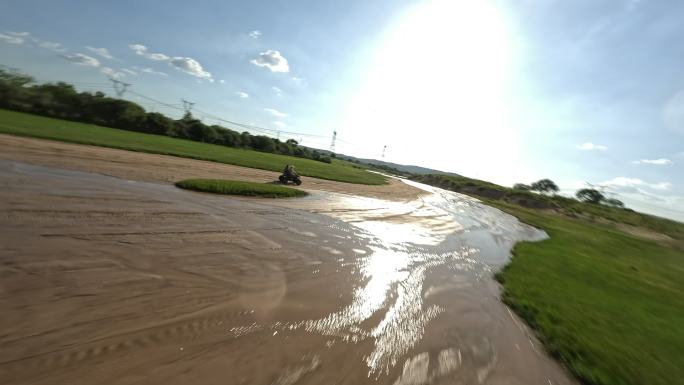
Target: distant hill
(401,167)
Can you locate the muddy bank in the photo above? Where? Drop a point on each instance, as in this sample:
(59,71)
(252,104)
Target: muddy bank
(168,169)
(109,281)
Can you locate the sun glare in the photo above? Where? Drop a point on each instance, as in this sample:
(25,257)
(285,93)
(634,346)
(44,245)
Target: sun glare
(437,90)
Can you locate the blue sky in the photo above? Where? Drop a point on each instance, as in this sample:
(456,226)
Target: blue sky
(508,91)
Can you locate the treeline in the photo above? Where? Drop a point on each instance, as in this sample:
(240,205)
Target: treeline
(586,195)
(540,194)
(61,100)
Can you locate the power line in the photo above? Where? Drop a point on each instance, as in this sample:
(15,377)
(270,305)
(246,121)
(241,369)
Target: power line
(332,145)
(270,131)
(176,107)
(188,106)
(119,87)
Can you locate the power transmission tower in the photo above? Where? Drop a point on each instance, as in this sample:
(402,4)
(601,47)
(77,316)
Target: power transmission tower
(603,189)
(120,87)
(187,106)
(383,152)
(598,187)
(334,139)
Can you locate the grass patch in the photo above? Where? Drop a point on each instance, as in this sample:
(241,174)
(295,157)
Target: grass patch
(232,187)
(608,305)
(22,124)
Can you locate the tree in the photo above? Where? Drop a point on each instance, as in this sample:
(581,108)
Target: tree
(229,137)
(263,143)
(522,186)
(544,186)
(590,195)
(156,123)
(12,78)
(61,100)
(200,132)
(245,139)
(116,113)
(612,202)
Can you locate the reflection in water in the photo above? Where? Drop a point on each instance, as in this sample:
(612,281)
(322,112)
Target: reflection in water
(391,273)
(445,233)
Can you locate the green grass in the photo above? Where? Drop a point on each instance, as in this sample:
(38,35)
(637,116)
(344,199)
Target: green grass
(232,187)
(608,305)
(665,226)
(17,123)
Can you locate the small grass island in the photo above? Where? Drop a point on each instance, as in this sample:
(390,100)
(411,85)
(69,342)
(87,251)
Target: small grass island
(232,187)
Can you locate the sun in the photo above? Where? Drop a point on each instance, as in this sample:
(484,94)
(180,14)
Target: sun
(437,90)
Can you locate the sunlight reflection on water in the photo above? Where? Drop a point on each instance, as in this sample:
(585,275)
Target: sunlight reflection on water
(403,253)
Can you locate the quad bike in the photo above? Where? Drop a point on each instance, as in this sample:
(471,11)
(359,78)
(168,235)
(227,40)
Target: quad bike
(285,179)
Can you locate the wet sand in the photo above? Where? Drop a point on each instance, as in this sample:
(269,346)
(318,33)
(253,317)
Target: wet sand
(112,281)
(169,169)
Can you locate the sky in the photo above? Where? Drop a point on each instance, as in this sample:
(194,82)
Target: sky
(582,92)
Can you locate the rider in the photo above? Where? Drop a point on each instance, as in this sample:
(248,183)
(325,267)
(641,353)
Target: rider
(289,171)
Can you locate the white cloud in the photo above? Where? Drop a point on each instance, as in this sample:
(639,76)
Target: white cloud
(149,70)
(299,81)
(591,147)
(279,124)
(191,66)
(112,72)
(659,162)
(82,59)
(277,90)
(129,71)
(57,47)
(26,38)
(241,94)
(186,64)
(650,198)
(9,39)
(272,60)
(275,112)
(255,34)
(222,81)
(104,52)
(630,184)
(141,50)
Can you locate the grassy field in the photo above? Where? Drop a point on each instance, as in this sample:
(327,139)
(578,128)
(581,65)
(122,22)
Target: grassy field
(608,305)
(22,124)
(232,187)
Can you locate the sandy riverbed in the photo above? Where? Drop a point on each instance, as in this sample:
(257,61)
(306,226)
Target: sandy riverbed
(111,281)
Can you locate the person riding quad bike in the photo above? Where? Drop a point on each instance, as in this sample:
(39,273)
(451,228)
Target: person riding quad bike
(289,174)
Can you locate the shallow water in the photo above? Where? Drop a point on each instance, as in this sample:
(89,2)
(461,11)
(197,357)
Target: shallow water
(423,255)
(161,285)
